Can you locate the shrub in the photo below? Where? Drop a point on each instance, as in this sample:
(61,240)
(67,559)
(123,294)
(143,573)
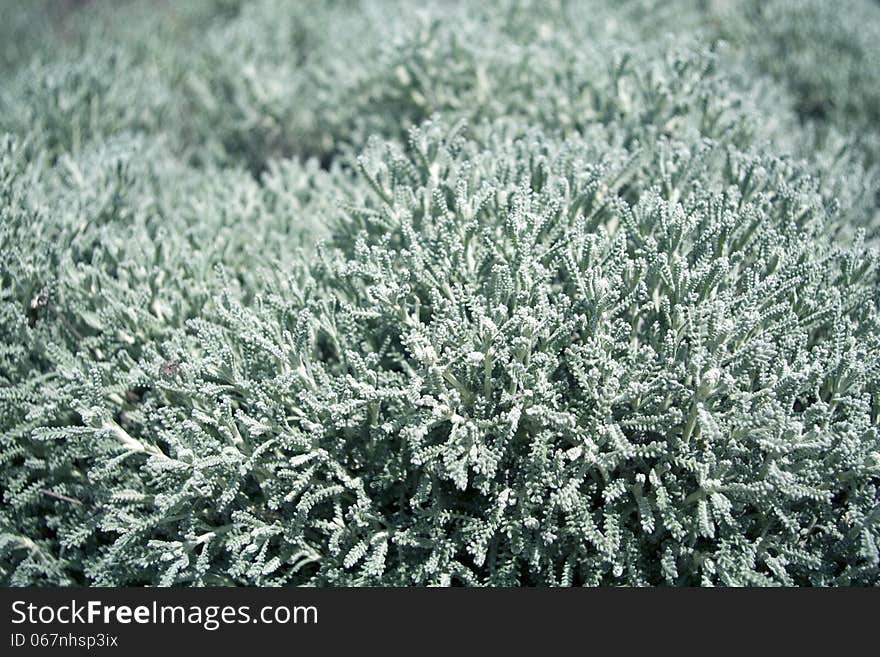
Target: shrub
(578,312)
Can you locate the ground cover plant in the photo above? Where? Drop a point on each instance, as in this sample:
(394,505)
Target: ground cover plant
(508,293)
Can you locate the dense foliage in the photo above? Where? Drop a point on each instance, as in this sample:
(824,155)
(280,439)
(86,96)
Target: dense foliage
(515,294)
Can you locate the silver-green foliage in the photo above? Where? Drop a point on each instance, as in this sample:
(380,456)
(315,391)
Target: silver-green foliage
(587,325)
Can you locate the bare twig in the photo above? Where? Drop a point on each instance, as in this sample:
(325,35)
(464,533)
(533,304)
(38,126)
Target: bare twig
(63,498)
